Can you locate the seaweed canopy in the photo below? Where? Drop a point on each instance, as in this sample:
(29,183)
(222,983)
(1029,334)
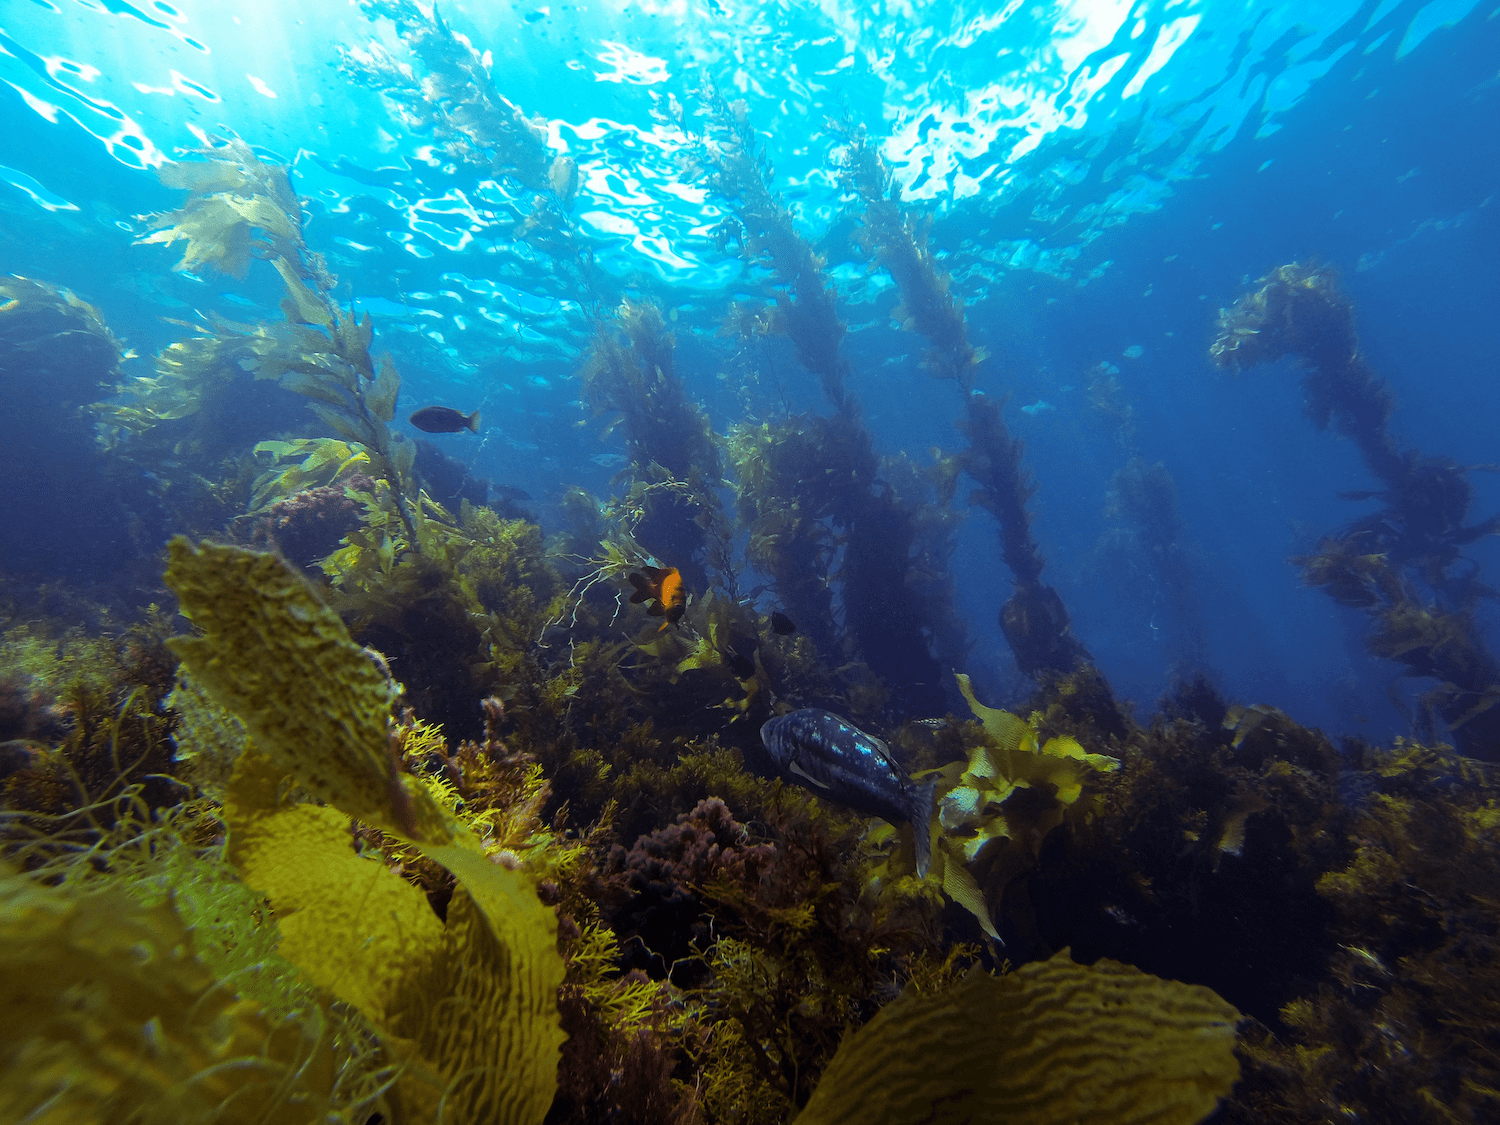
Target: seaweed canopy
(458,103)
(56,357)
(54,347)
(240,208)
(457,99)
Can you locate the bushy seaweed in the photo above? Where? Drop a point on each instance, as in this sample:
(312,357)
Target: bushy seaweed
(1402,565)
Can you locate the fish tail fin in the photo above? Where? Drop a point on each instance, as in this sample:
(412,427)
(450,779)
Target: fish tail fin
(921,823)
(473,422)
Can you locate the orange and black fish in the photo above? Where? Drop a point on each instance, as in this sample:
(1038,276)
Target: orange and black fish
(444,420)
(665,587)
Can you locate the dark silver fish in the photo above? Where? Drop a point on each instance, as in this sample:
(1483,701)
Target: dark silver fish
(839,762)
(444,420)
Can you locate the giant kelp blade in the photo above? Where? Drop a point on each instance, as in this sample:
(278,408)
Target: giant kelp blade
(312,700)
(1008,731)
(351,925)
(111,1018)
(1051,1042)
(495,1031)
(470,1003)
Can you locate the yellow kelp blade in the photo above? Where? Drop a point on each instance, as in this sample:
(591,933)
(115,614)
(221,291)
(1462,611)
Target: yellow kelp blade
(1052,1042)
(110,1017)
(1007,730)
(485,1010)
(312,700)
(470,1004)
(351,925)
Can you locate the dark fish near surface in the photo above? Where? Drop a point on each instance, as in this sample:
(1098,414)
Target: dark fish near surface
(839,762)
(444,420)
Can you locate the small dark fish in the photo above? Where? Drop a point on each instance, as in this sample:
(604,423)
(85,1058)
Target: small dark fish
(742,667)
(782,625)
(839,762)
(444,420)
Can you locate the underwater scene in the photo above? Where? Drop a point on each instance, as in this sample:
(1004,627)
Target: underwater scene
(725,563)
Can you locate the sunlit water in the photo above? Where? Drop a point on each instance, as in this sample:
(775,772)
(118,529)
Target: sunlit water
(1103,177)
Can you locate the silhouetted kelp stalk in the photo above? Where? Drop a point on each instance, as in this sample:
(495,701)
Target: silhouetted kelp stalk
(672,450)
(1142,497)
(741,173)
(1394,563)
(1034,619)
(458,102)
(239,209)
(891,619)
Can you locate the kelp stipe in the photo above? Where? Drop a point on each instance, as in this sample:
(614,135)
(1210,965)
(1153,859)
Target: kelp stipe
(1033,619)
(673,452)
(1395,563)
(886,601)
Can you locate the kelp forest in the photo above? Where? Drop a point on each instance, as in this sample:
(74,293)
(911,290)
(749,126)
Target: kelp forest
(338,786)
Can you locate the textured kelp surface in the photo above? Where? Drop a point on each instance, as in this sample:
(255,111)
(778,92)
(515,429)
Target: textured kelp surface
(1054,1041)
(470,997)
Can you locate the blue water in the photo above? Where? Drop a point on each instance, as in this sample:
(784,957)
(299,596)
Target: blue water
(1102,178)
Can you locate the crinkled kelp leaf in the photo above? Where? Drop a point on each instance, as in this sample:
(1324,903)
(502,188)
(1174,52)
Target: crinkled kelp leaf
(125,1024)
(351,925)
(1054,1041)
(470,1002)
(312,700)
(484,1009)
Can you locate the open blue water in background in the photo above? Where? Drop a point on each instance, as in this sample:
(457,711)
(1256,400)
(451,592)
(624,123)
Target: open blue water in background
(1102,177)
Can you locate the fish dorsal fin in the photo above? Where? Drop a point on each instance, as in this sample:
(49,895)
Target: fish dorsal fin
(802,773)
